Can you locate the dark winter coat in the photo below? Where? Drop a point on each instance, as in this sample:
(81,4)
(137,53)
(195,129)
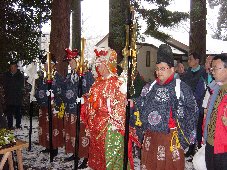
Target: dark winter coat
(201,88)
(3,121)
(13,86)
(192,78)
(196,82)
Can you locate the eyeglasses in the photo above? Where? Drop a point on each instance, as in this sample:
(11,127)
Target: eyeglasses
(161,69)
(215,69)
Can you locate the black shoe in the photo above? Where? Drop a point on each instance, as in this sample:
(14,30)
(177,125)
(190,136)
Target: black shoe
(191,151)
(199,146)
(69,158)
(45,150)
(55,152)
(84,164)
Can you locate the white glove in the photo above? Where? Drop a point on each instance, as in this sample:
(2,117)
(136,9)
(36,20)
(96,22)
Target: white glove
(81,100)
(50,92)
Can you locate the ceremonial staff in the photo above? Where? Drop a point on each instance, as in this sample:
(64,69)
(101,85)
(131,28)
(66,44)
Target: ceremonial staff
(31,71)
(129,52)
(49,85)
(30,127)
(81,72)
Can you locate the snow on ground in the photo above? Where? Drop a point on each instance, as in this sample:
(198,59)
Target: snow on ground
(35,160)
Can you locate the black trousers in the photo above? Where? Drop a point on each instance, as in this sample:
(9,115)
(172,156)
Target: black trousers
(199,128)
(199,135)
(13,110)
(215,161)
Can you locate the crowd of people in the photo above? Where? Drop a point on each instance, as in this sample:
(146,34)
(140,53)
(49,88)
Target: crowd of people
(180,110)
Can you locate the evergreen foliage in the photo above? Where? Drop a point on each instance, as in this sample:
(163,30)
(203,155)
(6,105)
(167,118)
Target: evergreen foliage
(158,16)
(20,29)
(221,32)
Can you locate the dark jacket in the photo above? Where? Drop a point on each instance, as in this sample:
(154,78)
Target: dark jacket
(3,121)
(13,86)
(196,82)
(201,88)
(192,78)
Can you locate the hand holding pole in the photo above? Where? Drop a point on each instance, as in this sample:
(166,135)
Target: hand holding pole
(81,72)
(129,53)
(50,116)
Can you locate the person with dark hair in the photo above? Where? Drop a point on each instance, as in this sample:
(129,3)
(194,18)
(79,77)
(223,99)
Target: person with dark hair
(168,113)
(193,73)
(180,69)
(192,77)
(215,131)
(70,93)
(41,94)
(13,84)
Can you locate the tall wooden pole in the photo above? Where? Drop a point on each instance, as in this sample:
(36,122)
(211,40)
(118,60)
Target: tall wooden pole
(79,95)
(76,24)
(50,115)
(130,54)
(30,127)
(197,35)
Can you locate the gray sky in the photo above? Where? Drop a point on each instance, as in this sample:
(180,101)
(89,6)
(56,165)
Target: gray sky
(95,16)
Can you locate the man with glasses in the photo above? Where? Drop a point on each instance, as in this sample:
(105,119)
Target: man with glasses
(192,78)
(168,113)
(215,135)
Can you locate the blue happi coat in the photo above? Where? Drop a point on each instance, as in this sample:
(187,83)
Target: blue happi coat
(41,91)
(156,102)
(71,89)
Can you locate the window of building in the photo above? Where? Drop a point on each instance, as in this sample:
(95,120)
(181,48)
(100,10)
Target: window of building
(148,59)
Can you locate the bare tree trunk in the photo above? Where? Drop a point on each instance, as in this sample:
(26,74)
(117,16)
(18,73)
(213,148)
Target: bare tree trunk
(118,14)
(197,38)
(76,24)
(60,32)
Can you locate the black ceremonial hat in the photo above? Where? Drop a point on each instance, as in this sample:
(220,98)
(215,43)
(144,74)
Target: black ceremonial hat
(165,55)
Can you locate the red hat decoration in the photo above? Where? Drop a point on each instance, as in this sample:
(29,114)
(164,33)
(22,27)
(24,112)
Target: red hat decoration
(71,54)
(108,57)
(100,53)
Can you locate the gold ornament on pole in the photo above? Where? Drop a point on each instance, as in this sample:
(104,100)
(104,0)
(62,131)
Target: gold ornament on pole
(130,49)
(83,64)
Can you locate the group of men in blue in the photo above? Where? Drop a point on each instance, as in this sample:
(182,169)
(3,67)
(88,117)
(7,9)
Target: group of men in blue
(171,111)
(64,94)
